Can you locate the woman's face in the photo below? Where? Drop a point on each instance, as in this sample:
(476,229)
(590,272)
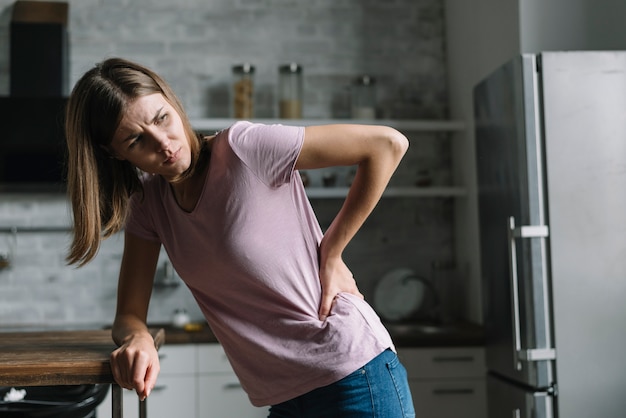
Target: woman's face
(151,137)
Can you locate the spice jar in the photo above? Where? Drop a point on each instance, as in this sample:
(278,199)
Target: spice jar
(243,91)
(363,95)
(290,91)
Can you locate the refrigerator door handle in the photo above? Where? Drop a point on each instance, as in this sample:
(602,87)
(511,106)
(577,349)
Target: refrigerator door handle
(519,354)
(537,354)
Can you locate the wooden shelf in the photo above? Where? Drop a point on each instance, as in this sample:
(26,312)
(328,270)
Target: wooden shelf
(216,124)
(341,192)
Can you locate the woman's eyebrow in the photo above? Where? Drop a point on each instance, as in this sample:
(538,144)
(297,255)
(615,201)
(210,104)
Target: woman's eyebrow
(157,114)
(153,120)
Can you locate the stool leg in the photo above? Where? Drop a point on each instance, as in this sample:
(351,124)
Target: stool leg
(118,400)
(143,407)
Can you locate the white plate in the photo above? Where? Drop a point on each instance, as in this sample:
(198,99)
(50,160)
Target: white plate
(399,294)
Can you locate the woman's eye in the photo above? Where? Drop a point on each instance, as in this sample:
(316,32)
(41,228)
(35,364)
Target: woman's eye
(161,118)
(134,142)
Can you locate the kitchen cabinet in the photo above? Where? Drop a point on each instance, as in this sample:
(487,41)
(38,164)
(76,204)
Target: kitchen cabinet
(446,382)
(196,380)
(220,393)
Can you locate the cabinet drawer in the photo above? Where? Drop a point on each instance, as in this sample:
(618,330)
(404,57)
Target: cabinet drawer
(443,362)
(449,398)
(212,359)
(177,359)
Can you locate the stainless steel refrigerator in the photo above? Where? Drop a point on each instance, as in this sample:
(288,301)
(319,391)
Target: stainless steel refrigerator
(551,166)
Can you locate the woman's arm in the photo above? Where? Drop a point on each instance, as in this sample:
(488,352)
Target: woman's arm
(135,364)
(377,151)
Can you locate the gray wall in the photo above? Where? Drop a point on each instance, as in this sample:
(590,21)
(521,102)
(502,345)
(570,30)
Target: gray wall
(572,25)
(193,44)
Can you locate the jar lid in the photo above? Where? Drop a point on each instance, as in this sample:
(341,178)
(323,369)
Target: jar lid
(290,68)
(364,80)
(245,68)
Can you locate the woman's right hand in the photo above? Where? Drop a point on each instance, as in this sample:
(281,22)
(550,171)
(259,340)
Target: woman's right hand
(135,364)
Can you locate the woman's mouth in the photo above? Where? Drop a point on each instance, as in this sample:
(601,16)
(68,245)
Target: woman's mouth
(172,158)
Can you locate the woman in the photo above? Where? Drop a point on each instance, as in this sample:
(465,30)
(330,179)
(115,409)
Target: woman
(232,214)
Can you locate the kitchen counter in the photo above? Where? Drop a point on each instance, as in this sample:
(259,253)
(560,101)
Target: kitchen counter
(457,334)
(461,334)
(46,358)
(54,358)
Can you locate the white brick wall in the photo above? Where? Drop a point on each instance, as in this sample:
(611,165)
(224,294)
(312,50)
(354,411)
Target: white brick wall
(193,44)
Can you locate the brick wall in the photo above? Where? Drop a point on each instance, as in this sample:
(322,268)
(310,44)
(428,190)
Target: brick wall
(194,44)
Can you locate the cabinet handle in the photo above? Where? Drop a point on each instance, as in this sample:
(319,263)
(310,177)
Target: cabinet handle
(159,388)
(453,359)
(459,391)
(230,386)
(162,356)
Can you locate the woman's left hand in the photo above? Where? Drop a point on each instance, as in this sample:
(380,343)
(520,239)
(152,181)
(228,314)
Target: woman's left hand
(376,151)
(335,278)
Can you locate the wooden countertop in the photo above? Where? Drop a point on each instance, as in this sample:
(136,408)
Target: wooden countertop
(46,358)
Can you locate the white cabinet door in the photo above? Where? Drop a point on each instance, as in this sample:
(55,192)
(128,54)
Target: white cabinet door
(427,363)
(212,359)
(219,392)
(221,395)
(446,382)
(173,396)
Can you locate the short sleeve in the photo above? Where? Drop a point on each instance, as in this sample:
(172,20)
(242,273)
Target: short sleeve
(140,222)
(269,151)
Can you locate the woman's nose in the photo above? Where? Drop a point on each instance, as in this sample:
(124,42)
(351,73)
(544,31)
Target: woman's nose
(162,142)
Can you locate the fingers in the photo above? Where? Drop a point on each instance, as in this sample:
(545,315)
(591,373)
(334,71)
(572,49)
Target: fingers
(326,305)
(150,381)
(330,292)
(335,278)
(134,369)
(119,371)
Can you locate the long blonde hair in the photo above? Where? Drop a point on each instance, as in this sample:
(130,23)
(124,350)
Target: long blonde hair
(99,186)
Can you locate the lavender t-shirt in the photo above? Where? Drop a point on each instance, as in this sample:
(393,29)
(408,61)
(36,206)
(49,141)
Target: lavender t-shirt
(248,253)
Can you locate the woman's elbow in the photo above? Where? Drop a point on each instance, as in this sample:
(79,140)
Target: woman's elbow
(398,144)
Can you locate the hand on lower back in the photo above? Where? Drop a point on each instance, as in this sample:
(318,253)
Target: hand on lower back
(335,277)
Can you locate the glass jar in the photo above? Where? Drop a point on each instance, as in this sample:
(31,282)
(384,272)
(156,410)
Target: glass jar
(243,91)
(290,91)
(363,96)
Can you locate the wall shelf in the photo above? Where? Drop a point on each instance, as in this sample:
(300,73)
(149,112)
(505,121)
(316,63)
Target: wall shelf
(35,229)
(408,125)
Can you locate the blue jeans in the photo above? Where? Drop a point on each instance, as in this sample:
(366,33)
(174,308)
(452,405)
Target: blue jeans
(377,390)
